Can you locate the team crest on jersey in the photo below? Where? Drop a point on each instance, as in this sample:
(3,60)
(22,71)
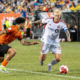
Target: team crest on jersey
(9,28)
(58,27)
(56,30)
(50,24)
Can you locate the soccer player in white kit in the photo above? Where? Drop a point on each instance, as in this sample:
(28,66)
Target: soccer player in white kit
(50,37)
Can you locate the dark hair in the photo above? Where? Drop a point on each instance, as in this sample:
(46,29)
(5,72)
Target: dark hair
(20,20)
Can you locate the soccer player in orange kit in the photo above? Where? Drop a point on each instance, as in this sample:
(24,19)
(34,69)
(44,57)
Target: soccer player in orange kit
(6,37)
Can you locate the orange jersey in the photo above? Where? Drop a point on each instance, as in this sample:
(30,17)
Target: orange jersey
(12,34)
(28,25)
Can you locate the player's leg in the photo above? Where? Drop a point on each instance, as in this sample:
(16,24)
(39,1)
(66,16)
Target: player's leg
(42,58)
(54,61)
(57,53)
(57,59)
(11,52)
(2,52)
(44,51)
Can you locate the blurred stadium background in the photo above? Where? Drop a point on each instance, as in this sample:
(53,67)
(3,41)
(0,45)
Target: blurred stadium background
(38,9)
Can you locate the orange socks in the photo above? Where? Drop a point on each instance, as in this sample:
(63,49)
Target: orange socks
(4,63)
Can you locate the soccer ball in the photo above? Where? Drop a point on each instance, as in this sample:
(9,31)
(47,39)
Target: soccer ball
(63,69)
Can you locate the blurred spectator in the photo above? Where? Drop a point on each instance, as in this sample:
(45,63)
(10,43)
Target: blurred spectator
(37,17)
(18,2)
(76,8)
(65,9)
(40,1)
(62,2)
(35,4)
(75,33)
(16,6)
(69,27)
(24,12)
(72,4)
(28,27)
(0,0)
(1,7)
(58,5)
(78,1)
(13,22)
(6,24)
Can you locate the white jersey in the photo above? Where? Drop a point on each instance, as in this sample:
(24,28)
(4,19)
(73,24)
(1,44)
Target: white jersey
(52,30)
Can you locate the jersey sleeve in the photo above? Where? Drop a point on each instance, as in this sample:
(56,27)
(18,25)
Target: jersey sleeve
(64,26)
(10,29)
(20,36)
(43,21)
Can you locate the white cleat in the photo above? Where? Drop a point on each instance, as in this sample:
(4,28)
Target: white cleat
(28,38)
(49,67)
(3,69)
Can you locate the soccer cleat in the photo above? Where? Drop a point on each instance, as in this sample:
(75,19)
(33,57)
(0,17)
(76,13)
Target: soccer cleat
(3,69)
(41,62)
(49,67)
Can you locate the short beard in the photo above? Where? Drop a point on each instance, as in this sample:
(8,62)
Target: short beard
(21,28)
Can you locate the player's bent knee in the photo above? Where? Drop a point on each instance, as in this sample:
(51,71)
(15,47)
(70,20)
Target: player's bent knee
(44,58)
(14,52)
(58,59)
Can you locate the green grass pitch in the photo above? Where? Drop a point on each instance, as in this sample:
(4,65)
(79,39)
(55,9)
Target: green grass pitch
(25,64)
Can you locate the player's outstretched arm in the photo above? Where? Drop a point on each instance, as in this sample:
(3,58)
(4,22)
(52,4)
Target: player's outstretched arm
(38,21)
(68,36)
(28,43)
(3,32)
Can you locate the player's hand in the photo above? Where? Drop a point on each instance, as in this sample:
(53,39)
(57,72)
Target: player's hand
(33,43)
(68,39)
(30,22)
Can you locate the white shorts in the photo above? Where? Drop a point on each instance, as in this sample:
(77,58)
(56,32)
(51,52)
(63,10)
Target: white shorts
(53,48)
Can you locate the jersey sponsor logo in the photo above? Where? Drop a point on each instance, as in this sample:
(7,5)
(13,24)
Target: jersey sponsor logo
(9,28)
(50,24)
(48,18)
(51,29)
(56,31)
(58,27)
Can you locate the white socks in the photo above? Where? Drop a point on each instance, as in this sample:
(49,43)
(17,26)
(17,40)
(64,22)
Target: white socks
(53,62)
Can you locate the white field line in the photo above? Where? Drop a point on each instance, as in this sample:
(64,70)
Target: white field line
(43,73)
